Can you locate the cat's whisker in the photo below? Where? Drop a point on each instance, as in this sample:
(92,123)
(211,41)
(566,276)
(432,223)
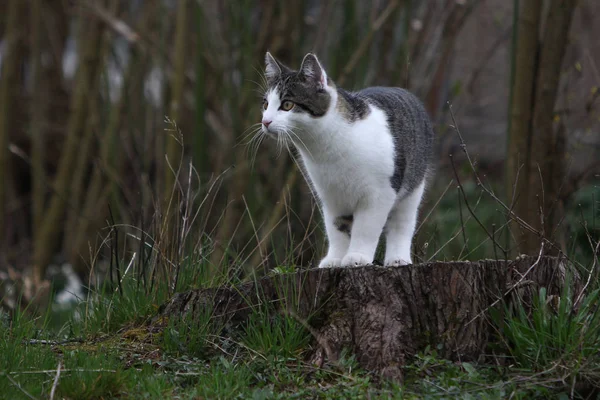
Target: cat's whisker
(260,73)
(260,85)
(256,134)
(301,142)
(287,137)
(243,140)
(254,143)
(251,128)
(255,148)
(279,145)
(249,139)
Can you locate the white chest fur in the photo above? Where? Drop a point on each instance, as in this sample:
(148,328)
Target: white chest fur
(349,161)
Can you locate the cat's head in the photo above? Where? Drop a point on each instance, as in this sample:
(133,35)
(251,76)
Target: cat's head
(295,99)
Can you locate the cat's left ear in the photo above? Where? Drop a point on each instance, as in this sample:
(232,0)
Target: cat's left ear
(313,71)
(273,68)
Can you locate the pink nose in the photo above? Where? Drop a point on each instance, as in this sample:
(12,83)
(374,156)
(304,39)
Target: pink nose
(266,123)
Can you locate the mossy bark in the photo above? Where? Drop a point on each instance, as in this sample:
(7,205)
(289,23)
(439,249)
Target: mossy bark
(385,316)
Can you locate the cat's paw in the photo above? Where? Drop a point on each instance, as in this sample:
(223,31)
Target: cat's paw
(330,262)
(355,259)
(397,262)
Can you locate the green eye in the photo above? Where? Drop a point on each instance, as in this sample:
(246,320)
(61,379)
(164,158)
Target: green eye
(287,105)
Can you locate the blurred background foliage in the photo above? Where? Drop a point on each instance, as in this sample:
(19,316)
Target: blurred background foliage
(123,129)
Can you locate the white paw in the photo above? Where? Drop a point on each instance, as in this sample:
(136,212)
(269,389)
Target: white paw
(355,259)
(397,262)
(328,262)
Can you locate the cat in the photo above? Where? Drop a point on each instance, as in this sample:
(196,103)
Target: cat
(367,155)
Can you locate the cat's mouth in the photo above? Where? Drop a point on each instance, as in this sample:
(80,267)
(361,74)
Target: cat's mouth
(270,132)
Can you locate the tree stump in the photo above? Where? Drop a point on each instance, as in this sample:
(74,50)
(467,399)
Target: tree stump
(385,315)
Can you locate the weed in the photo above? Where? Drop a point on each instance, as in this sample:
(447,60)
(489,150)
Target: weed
(278,335)
(108,309)
(149,384)
(555,332)
(224,380)
(190,334)
(92,376)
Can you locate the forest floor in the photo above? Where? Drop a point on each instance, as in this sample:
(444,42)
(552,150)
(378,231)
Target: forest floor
(110,344)
(106,348)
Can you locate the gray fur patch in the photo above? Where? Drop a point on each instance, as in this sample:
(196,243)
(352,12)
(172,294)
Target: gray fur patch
(344,223)
(351,106)
(412,131)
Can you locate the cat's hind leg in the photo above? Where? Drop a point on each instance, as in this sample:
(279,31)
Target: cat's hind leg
(400,228)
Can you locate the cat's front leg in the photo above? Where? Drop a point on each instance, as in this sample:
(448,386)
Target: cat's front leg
(366,229)
(338,235)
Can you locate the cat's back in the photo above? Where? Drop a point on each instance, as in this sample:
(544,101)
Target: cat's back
(394,101)
(405,112)
(411,128)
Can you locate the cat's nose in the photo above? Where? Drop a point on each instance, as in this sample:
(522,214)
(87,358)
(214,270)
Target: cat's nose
(266,123)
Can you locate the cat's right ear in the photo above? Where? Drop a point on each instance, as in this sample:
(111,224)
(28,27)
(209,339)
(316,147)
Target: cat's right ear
(273,68)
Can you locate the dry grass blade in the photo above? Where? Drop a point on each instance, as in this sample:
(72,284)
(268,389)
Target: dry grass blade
(56,378)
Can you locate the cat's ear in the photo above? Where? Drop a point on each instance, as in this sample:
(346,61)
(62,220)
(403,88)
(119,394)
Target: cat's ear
(273,68)
(312,70)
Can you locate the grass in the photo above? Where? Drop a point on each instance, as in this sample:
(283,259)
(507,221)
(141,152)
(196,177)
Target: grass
(558,337)
(547,349)
(192,359)
(190,336)
(280,335)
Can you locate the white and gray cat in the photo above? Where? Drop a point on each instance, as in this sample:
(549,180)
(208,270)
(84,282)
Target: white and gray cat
(367,154)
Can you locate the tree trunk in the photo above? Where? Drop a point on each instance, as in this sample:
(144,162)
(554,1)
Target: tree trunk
(86,82)
(548,149)
(386,315)
(9,81)
(37,116)
(536,152)
(517,162)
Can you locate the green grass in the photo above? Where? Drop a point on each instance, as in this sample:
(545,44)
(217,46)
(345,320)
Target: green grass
(547,349)
(190,335)
(279,335)
(556,338)
(190,359)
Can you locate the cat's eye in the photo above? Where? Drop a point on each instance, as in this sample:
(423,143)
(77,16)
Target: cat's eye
(287,105)
(265,104)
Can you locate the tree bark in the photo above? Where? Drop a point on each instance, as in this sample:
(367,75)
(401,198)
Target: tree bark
(9,80)
(536,151)
(86,82)
(548,148)
(517,156)
(386,315)
(37,115)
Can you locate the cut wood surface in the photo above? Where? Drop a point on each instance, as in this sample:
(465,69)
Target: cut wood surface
(385,315)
